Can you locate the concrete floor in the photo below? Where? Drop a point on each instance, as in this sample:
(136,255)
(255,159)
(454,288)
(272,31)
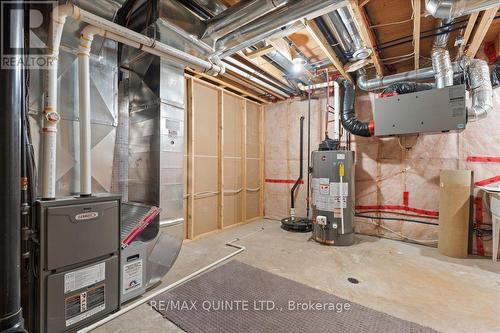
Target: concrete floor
(408,281)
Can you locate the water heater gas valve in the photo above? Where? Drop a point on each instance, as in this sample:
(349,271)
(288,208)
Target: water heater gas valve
(321,220)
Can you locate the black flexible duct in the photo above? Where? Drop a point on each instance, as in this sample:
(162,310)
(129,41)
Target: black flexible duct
(348,114)
(301,163)
(402,88)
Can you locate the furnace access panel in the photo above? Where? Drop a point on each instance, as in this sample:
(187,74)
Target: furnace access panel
(79,266)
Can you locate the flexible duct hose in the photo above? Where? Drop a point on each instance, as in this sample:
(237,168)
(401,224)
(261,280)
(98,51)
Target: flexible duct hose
(348,114)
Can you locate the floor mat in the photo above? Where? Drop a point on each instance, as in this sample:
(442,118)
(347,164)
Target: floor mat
(237,297)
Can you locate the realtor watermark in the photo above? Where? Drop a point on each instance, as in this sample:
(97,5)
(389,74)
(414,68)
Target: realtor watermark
(25,50)
(249,305)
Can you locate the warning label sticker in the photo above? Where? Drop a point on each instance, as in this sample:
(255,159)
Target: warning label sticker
(84,305)
(84,277)
(132,276)
(329,196)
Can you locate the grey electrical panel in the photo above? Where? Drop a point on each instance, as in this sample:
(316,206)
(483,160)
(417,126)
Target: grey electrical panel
(78,269)
(333,196)
(428,111)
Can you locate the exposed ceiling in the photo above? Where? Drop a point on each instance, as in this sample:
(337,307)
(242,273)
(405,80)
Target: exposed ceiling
(389,27)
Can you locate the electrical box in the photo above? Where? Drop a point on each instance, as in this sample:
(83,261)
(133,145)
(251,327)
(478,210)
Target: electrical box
(78,267)
(428,111)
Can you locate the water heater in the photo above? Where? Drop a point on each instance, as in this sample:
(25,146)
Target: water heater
(333,197)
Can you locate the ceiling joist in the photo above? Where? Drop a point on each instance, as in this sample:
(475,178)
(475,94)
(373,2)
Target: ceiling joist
(316,34)
(361,21)
(482,29)
(468,30)
(416,32)
(259,52)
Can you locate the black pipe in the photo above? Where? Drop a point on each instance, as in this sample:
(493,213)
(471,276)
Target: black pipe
(348,115)
(308,208)
(301,163)
(11,99)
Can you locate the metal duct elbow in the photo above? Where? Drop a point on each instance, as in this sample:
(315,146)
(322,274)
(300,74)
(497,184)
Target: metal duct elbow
(441,61)
(481,90)
(449,9)
(348,115)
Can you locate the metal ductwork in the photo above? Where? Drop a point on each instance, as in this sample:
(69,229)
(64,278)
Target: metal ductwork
(441,61)
(481,90)
(265,26)
(239,15)
(347,34)
(382,82)
(449,9)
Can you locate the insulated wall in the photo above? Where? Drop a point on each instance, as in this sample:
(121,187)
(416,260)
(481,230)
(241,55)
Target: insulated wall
(394,176)
(282,125)
(224,160)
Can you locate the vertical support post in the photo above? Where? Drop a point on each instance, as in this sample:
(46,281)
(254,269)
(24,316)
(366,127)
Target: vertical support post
(190,187)
(244,159)
(262,158)
(220,157)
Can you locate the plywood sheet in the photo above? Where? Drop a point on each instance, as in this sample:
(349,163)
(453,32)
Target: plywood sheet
(253,183)
(205,215)
(232,125)
(454,208)
(205,120)
(232,183)
(253,120)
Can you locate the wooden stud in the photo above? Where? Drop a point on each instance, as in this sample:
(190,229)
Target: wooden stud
(281,96)
(468,30)
(262,158)
(225,84)
(314,31)
(482,29)
(260,52)
(244,160)
(220,158)
(361,21)
(416,32)
(190,119)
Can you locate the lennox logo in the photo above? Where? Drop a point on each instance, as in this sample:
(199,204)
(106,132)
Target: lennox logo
(34,15)
(86,216)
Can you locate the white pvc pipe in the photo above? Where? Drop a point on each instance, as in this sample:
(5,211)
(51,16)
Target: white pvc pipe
(50,115)
(86,38)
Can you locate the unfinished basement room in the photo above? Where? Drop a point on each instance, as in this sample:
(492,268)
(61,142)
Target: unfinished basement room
(225,166)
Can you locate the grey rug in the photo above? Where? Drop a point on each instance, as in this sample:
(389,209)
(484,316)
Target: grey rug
(237,297)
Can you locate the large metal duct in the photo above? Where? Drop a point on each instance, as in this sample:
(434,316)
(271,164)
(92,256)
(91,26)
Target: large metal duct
(449,9)
(441,61)
(239,15)
(481,90)
(385,81)
(279,19)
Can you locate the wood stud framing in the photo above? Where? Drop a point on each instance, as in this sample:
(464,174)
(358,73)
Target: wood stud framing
(190,135)
(317,35)
(468,30)
(482,29)
(190,155)
(416,32)
(361,21)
